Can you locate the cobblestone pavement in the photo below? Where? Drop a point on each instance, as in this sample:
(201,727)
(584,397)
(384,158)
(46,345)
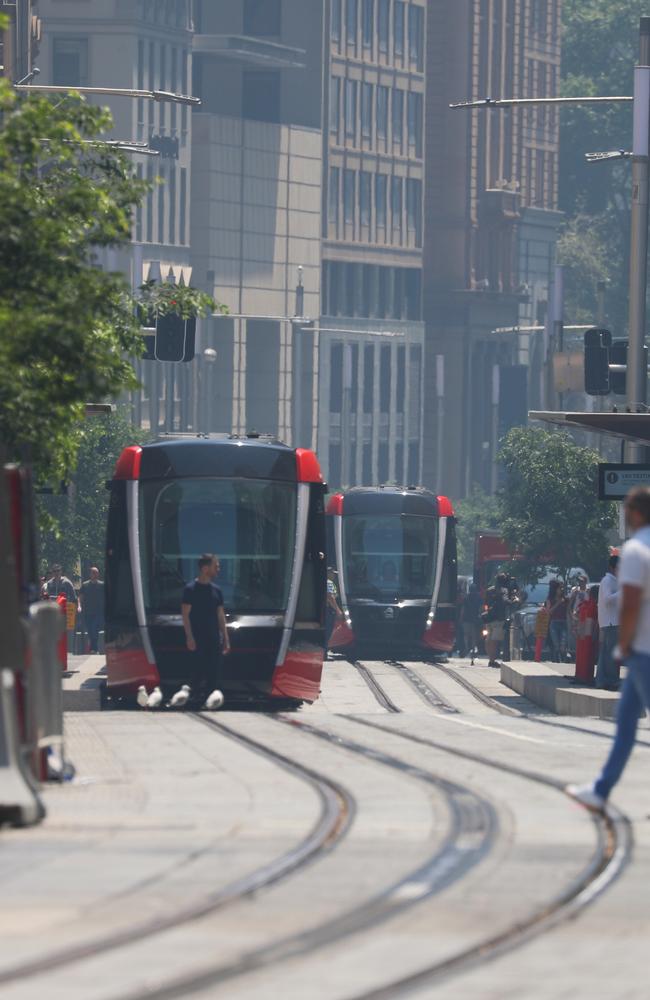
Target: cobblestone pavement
(448,833)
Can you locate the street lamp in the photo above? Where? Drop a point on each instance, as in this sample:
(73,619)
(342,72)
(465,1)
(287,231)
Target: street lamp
(151,95)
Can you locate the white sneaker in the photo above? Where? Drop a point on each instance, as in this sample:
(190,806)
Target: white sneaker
(587,797)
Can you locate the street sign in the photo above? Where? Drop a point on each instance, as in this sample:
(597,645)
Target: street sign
(616,481)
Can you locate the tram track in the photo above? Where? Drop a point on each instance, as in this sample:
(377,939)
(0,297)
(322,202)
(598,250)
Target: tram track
(337,810)
(473,832)
(378,692)
(612,854)
(429,695)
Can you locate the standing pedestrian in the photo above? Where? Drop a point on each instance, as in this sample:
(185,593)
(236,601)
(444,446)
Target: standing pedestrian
(470,620)
(633,649)
(577,596)
(91,598)
(497,601)
(556,605)
(206,634)
(60,584)
(608,673)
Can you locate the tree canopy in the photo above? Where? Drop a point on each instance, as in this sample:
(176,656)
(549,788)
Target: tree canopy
(599,51)
(67,327)
(477,512)
(549,506)
(74,525)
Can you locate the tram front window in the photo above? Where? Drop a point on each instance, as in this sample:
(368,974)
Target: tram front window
(249,524)
(389,556)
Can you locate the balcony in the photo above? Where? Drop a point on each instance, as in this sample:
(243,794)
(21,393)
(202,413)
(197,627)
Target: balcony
(242,48)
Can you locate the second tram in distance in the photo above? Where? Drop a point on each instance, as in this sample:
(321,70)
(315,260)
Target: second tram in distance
(394,553)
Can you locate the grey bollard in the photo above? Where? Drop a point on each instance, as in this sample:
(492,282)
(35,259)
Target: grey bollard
(20,804)
(45,694)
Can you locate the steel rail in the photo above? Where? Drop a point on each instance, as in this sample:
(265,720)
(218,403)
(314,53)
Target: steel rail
(429,695)
(612,854)
(381,696)
(334,820)
(473,832)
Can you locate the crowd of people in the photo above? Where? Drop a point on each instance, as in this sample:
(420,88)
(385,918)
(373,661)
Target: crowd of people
(86,598)
(578,624)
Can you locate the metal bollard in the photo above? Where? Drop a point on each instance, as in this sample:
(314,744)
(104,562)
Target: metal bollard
(45,695)
(20,804)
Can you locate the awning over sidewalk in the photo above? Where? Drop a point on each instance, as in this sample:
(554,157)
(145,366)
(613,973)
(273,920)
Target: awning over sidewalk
(631,426)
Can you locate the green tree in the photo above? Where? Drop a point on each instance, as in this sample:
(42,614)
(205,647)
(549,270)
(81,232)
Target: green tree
(549,502)
(599,50)
(67,327)
(477,512)
(73,527)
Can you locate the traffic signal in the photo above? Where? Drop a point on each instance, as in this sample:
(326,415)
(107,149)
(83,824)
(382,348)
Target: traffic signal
(171,339)
(597,347)
(618,356)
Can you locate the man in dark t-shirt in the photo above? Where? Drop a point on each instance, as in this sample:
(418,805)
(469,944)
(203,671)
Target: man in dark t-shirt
(206,634)
(91,597)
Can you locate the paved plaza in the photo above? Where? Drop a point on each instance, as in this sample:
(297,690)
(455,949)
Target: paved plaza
(425,849)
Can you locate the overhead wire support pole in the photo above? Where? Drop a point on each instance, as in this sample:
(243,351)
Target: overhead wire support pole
(151,95)
(636,367)
(510,102)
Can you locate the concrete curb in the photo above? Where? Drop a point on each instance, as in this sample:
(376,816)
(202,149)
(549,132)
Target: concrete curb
(545,687)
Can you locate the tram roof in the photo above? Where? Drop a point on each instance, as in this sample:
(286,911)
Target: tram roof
(390,500)
(221,455)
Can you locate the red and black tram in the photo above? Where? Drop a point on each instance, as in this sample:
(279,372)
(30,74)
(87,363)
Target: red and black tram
(394,552)
(259,506)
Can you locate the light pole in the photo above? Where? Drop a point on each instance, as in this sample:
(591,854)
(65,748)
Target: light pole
(636,365)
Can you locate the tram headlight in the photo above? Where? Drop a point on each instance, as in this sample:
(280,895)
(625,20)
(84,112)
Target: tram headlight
(429,621)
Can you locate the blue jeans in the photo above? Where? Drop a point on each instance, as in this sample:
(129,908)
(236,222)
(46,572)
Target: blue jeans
(558,636)
(608,672)
(635,697)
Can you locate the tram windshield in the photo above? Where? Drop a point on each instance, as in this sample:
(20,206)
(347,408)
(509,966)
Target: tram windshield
(249,523)
(389,556)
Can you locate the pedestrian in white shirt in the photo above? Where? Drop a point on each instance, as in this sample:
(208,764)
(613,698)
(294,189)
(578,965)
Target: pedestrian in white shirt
(608,673)
(633,649)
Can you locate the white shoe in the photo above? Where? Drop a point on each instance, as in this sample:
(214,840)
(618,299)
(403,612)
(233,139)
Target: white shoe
(214,701)
(587,797)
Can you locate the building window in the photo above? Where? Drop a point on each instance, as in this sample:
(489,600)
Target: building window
(398,22)
(263,17)
(261,96)
(366,110)
(414,210)
(335,27)
(365,189)
(416,36)
(382,112)
(335,104)
(384,15)
(182,234)
(415,103)
(381,189)
(161,210)
(398,117)
(70,62)
(138,211)
(172,203)
(336,378)
(348,197)
(351,108)
(175,89)
(333,196)
(396,207)
(150,204)
(351,22)
(368,22)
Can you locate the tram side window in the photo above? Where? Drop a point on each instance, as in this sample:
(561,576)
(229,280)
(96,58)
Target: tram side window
(120,600)
(312,587)
(449,581)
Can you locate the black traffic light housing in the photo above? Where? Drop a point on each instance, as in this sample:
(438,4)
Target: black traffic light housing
(172,339)
(597,347)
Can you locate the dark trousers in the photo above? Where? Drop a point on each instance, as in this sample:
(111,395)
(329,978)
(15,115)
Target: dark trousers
(93,624)
(205,670)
